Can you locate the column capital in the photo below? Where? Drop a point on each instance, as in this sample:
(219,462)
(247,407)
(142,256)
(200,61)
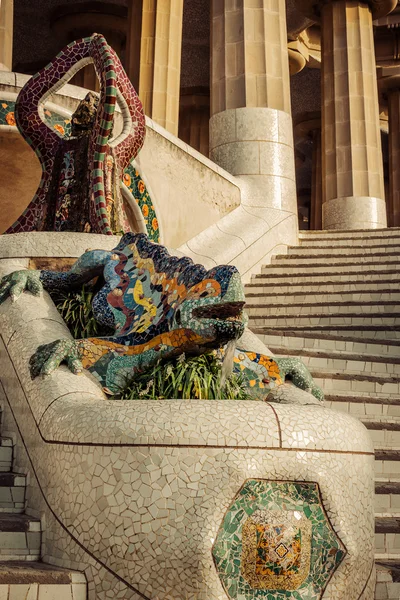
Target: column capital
(313,8)
(298,56)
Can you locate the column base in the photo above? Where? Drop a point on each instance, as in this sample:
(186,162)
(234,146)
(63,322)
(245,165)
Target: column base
(354,212)
(256,144)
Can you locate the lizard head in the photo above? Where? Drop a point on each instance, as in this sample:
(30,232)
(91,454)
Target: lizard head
(213,307)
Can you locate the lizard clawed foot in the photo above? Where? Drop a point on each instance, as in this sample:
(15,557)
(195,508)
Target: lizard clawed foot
(49,356)
(17,282)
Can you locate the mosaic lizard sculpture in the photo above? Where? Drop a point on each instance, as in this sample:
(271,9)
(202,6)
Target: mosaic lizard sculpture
(159,306)
(80,184)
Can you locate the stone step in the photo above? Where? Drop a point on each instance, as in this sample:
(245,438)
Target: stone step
(387,586)
(329,242)
(337,382)
(357,249)
(20,537)
(384,431)
(320,320)
(38,581)
(387,494)
(343,268)
(320,286)
(349,363)
(256,310)
(328,358)
(349,234)
(6,454)
(387,462)
(319,298)
(12,492)
(291,341)
(379,333)
(387,533)
(301,280)
(364,406)
(332,259)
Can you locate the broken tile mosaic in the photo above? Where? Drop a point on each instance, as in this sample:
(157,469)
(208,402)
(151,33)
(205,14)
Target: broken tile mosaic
(276,542)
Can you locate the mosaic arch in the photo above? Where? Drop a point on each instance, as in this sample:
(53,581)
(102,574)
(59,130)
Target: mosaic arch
(276,543)
(131,178)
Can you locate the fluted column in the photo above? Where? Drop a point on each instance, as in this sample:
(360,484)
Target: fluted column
(251,126)
(394,157)
(249,55)
(316,182)
(353,188)
(6,34)
(390,86)
(308,126)
(154,57)
(194,117)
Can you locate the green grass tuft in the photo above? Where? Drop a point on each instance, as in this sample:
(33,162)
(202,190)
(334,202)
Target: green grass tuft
(75,308)
(184,378)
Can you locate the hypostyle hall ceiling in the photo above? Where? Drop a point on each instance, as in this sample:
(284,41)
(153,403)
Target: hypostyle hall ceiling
(35,43)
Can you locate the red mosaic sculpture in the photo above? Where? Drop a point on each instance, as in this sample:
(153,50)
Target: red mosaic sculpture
(79,187)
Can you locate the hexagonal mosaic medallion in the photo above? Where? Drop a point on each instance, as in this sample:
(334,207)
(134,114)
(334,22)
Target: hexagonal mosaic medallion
(276,543)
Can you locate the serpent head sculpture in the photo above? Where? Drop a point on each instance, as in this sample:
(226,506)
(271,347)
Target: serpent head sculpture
(80,185)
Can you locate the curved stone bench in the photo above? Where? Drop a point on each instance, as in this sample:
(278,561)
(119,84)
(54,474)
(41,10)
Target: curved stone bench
(147,496)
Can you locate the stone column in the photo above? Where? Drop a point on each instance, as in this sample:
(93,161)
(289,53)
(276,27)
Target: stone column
(316,182)
(6,34)
(391,89)
(353,187)
(394,156)
(308,126)
(251,126)
(154,57)
(194,117)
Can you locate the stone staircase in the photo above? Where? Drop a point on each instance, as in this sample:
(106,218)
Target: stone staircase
(334,301)
(22,575)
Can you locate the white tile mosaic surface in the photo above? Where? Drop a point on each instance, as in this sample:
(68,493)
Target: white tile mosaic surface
(133,493)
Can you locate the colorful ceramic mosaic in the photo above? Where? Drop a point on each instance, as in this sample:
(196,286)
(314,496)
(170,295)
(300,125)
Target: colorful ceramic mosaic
(159,306)
(266,373)
(276,543)
(131,177)
(138,189)
(90,162)
(53,119)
